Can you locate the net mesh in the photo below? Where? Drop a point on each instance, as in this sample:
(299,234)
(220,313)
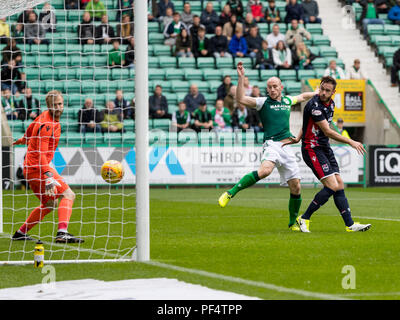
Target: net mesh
(57,51)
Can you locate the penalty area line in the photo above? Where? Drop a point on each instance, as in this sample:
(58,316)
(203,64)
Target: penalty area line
(264,285)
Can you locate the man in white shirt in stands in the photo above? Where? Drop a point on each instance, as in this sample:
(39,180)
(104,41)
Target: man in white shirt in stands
(334,71)
(355,72)
(275,36)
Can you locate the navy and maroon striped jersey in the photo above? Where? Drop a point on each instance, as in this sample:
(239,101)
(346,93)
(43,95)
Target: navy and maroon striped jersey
(315,111)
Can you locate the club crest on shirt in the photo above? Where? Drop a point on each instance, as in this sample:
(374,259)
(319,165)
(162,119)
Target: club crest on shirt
(325,167)
(316,112)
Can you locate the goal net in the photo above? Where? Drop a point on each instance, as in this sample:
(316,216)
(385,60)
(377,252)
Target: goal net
(88,56)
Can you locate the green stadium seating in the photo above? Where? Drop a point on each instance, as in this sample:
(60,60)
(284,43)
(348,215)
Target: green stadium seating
(253,74)
(328,52)
(129,138)
(314,50)
(89,87)
(153,27)
(112,138)
(70,86)
(171,98)
(187,138)
(375,29)
(210,98)
(247,62)
(395,41)
(66,74)
(193,74)
(203,63)
(161,50)
(184,62)
(119,74)
(93,138)
(306,74)
(223,63)
(32,73)
(226,138)
(47,74)
(153,62)
(292,87)
(212,74)
(174,74)
(129,125)
(320,40)
(168,62)
(383,41)
(320,63)
(156,38)
(391,29)
(179,86)
(85,73)
(245,138)
(230,72)
(156,74)
(287,75)
(202,85)
(213,85)
(263,28)
(207,138)
(314,28)
(162,124)
(266,74)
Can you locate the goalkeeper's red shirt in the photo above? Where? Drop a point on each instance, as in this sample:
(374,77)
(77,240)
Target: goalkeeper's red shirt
(42,138)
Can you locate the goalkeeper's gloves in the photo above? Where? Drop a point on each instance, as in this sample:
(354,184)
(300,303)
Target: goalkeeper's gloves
(50,184)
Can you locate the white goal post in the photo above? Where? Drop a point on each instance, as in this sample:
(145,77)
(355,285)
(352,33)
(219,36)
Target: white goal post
(140,251)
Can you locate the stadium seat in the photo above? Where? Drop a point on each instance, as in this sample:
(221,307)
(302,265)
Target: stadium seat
(212,74)
(85,73)
(129,138)
(168,62)
(92,137)
(223,63)
(172,98)
(66,74)
(375,29)
(162,124)
(314,50)
(75,138)
(119,74)
(306,74)
(156,74)
(32,73)
(230,72)
(287,75)
(395,41)
(184,62)
(320,63)
(320,40)
(383,41)
(48,74)
(328,52)
(179,86)
(153,62)
(293,88)
(153,27)
(263,28)
(247,62)
(193,74)
(253,74)
(213,85)
(203,63)
(174,74)
(71,87)
(210,98)
(158,137)
(161,50)
(156,38)
(393,29)
(89,87)
(187,137)
(266,74)
(314,28)
(112,138)
(202,85)
(44,61)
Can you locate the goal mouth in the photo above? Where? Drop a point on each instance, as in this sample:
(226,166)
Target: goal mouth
(90,74)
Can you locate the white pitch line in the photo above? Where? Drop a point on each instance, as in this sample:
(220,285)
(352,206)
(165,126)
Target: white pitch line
(269,286)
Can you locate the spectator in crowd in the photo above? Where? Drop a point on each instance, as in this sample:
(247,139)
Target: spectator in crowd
(122,104)
(130,53)
(255,7)
(248,23)
(34,32)
(230,27)
(84,3)
(28,106)
(221,117)
(9,105)
(201,44)
(296,34)
(253,41)
(96,9)
(86,30)
(112,119)
(224,88)
(158,105)
(383,6)
(104,32)
(168,18)
(355,72)
(202,118)
(163,5)
(133,107)
(225,15)
(23,19)
(12,79)
(11,52)
(194,98)
(294,11)
(245,118)
(194,28)
(311,11)
(4,31)
(272,13)
(116,58)
(126,29)
(89,118)
(304,56)
(71,4)
(209,18)
(125,7)
(342,130)
(237,45)
(187,15)
(275,36)
(173,29)
(229,100)
(369,15)
(248,88)
(180,118)
(282,56)
(219,44)
(236,8)
(264,58)
(394,13)
(334,71)
(255,92)
(395,69)
(152,10)
(183,47)
(47,18)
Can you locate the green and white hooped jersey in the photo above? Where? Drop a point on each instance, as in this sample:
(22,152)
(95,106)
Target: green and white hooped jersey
(275,117)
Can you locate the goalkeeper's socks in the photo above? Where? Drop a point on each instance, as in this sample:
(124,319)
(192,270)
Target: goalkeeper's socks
(343,206)
(320,199)
(34,218)
(247,181)
(294,207)
(64,213)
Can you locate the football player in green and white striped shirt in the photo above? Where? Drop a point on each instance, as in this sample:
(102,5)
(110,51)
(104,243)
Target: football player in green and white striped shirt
(274,112)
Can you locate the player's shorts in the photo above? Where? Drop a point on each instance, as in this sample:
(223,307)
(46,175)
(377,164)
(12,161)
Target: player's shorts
(322,161)
(36,180)
(284,159)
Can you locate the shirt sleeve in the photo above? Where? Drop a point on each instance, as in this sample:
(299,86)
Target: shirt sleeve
(291,100)
(260,103)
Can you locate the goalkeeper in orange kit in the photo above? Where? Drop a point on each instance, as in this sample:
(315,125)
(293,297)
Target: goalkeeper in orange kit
(42,138)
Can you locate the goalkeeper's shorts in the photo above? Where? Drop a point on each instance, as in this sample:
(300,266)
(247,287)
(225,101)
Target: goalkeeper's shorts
(36,180)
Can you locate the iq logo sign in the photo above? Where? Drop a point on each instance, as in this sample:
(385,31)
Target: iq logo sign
(384,165)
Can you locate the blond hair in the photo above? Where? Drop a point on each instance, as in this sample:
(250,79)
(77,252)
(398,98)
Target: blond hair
(50,97)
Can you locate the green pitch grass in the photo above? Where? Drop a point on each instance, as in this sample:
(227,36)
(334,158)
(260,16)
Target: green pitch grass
(247,240)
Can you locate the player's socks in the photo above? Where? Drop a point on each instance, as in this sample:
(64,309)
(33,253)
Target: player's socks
(294,207)
(247,181)
(319,200)
(34,218)
(64,213)
(343,206)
